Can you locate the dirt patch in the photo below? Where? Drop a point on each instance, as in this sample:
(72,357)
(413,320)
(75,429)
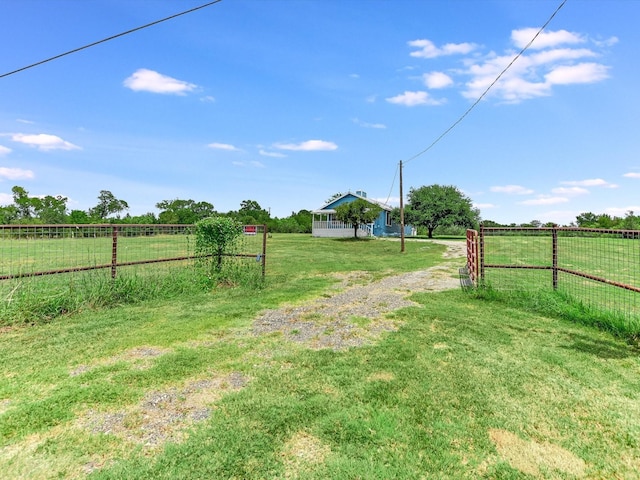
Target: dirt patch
(336,321)
(301,452)
(163,416)
(535,458)
(140,358)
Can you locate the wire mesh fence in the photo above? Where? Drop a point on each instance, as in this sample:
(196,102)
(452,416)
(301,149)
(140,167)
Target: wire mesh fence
(599,268)
(47,259)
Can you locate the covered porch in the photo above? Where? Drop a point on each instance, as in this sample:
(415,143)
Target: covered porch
(325,225)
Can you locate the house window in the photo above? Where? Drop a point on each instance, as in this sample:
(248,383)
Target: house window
(388,219)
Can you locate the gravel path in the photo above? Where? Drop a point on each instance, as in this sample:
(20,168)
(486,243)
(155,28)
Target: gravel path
(358,314)
(355,315)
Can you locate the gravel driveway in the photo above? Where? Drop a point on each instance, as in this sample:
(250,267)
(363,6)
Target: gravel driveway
(357,315)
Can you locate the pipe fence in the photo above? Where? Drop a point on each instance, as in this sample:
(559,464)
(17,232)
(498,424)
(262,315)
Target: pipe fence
(598,267)
(42,250)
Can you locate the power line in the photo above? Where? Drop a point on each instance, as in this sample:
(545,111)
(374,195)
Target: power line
(489,87)
(392,184)
(110,38)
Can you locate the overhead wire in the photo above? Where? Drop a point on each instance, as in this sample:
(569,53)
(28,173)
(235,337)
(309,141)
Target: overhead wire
(462,117)
(171,17)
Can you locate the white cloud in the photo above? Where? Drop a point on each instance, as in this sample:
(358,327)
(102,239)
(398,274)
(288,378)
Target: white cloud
(607,42)
(223,146)
(546,39)
(6,199)
(44,142)
(368,125)
(15,174)
(437,80)
(580,73)
(411,99)
(632,175)
(484,205)
(427,49)
(559,54)
(144,80)
(544,200)
(591,182)
(22,120)
(253,163)
(308,146)
(533,74)
(622,211)
(265,153)
(4,150)
(570,191)
(208,99)
(512,190)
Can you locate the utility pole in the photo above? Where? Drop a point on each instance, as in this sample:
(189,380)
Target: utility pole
(401,213)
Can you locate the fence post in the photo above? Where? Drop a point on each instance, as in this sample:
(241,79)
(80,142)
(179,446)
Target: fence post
(264,250)
(554,253)
(482,253)
(114,251)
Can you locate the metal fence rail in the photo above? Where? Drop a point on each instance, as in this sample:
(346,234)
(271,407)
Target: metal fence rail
(39,250)
(601,268)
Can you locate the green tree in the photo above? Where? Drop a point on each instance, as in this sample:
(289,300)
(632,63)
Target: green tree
(587,220)
(357,212)
(434,205)
(304,218)
(184,211)
(107,205)
(50,209)
(251,213)
(630,221)
(23,202)
(8,214)
(77,217)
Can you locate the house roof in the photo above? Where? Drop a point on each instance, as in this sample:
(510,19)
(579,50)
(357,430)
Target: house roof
(327,208)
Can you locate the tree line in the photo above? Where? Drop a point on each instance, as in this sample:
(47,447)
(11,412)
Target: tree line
(585,220)
(51,210)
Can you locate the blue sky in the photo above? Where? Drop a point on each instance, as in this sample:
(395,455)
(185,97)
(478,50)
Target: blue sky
(287,102)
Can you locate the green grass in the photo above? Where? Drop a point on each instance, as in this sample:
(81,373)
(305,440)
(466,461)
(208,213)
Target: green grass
(614,259)
(466,388)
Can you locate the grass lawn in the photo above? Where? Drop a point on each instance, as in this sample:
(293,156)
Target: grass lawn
(182,388)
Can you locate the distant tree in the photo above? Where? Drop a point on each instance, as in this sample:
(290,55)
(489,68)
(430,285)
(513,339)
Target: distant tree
(491,223)
(78,217)
(434,205)
(587,220)
(252,213)
(148,218)
(532,224)
(333,197)
(357,212)
(8,214)
(605,221)
(107,205)
(630,221)
(304,218)
(184,211)
(23,202)
(51,210)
